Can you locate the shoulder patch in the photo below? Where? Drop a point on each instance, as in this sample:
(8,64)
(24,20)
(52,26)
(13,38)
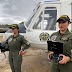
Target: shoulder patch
(27,43)
(10,39)
(53,37)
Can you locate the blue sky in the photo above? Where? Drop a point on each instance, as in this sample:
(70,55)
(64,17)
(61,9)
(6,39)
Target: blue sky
(16,11)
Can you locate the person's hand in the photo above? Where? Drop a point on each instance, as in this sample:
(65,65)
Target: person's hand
(20,52)
(50,54)
(64,60)
(23,52)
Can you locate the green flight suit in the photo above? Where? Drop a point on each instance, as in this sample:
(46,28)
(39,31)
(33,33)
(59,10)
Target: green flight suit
(14,46)
(67,39)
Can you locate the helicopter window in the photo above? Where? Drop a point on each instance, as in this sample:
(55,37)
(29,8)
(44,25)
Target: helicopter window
(22,29)
(29,20)
(50,16)
(27,23)
(50,8)
(38,23)
(47,19)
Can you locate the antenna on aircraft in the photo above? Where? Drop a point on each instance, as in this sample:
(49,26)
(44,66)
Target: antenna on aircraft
(34,2)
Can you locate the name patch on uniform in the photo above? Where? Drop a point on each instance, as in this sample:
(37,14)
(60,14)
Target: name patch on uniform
(64,38)
(53,38)
(10,40)
(14,39)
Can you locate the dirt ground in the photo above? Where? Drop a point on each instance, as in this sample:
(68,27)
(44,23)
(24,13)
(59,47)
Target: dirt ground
(33,61)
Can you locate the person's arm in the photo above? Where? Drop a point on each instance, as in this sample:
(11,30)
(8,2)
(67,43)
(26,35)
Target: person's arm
(71,50)
(66,58)
(26,45)
(6,42)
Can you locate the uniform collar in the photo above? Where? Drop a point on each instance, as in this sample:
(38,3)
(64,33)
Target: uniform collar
(67,32)
(16,36)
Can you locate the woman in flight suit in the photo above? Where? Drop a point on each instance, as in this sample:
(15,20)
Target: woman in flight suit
(14,45)
(63,35)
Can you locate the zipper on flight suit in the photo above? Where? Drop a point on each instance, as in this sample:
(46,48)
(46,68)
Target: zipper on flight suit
(61,36)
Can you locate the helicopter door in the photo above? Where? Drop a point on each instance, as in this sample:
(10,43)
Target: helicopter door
(50,17)
(46,19)
(44,22)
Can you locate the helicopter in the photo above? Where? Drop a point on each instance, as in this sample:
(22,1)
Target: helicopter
(42,23)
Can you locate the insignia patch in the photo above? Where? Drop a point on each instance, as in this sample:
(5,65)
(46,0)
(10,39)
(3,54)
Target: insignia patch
(64,38)
(10,40)
(14,39)
(44,36)
(71,50)
(53,38)
(27,43)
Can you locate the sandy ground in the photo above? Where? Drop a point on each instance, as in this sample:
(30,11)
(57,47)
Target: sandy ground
(4,67)
(33,61)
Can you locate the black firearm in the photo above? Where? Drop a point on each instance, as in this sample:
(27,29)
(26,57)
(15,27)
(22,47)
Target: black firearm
(4,46)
